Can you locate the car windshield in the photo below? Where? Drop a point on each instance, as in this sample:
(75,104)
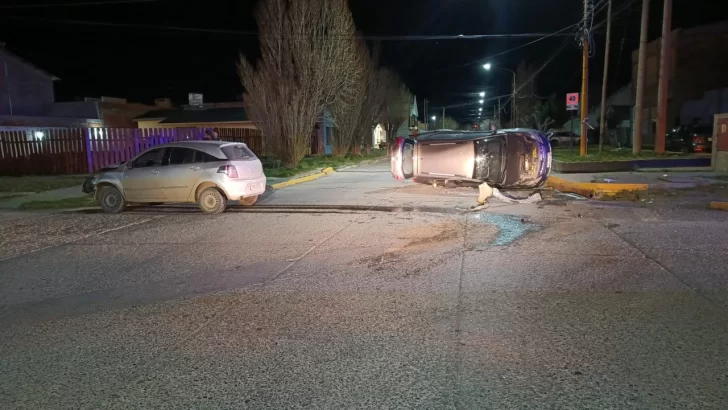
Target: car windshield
(237,152)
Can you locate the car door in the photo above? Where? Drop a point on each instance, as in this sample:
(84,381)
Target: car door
(142,182)
(403,165)
(180,175)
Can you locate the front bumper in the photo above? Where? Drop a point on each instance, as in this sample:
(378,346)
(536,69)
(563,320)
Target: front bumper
(89,185)
(243,188)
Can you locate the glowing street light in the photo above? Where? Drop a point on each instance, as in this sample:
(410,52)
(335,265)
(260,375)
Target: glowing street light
(481,101)
(487,66)
(481,94)
(434,118)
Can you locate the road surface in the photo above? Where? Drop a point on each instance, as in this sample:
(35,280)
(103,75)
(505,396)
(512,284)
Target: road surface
(358,291)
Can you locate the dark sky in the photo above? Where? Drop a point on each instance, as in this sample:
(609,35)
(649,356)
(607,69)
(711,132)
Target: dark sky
(141,63)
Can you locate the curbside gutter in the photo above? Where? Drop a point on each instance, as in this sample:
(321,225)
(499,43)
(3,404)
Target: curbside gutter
(307,178)
(590,189)
(719,205)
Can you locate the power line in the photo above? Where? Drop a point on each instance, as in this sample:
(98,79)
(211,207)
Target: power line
(255,33)
(77,4)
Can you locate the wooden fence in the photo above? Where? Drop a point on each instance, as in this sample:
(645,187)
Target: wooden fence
(55,151)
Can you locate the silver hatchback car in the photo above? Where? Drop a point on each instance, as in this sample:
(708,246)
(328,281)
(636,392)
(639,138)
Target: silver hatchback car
(204,172)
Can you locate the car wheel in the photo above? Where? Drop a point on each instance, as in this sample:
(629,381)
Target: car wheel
(554,143)
(249,201)
(211,201)
(111,200)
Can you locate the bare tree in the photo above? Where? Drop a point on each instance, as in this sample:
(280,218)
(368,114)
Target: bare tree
(349,110)
(305,51)
(396,107)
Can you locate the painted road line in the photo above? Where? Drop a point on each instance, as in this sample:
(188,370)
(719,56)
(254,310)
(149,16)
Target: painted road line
(589,189)
(719,205)
(300,180)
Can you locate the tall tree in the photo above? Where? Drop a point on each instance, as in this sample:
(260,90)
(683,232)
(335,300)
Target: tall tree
(397,103)
(306,54)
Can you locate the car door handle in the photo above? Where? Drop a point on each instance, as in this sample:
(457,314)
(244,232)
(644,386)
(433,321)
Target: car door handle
(195,168)
(155,171)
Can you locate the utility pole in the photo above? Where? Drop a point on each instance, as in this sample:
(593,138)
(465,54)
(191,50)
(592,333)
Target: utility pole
(513,111)
(443,118)
(640,97)
(603,114)
(499,111)
(663,89)
(585,82)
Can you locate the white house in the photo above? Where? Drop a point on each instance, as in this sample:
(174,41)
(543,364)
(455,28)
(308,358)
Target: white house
(379,135)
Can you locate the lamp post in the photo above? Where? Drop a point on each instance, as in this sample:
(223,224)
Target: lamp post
(488,66)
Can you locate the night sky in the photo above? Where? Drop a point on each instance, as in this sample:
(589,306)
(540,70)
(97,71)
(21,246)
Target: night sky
(142,63)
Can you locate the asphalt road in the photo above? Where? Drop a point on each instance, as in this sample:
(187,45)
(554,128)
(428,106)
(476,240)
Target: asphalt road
(358,291)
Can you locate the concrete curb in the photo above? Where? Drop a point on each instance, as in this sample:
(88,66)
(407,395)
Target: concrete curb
(300,180)
(719,205)
(590,189)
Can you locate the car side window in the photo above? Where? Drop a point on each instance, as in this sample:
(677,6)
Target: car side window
(151,158)
(205,157)
(181,155)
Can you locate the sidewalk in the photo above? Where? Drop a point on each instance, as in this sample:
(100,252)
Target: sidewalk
(610,183)
(14,202)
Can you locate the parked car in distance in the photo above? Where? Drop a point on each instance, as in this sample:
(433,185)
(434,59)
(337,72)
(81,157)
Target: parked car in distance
(562,138)
(697,138)
(513,158)
(207,173)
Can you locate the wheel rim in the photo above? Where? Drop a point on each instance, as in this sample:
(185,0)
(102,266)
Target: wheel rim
(209,201)
(111,200)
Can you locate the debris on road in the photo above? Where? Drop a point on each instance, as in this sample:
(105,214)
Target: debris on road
(486,191)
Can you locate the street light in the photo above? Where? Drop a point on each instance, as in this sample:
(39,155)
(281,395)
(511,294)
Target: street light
(481,101)
(488,66)
(481,94)
(434,118)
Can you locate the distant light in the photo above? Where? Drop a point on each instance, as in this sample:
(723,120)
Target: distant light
(487,66)
(433,118)
(480,101)
(480,109)
(39,135)
(482,94)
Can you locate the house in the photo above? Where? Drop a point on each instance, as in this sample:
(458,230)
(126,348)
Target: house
(209,115)
(109,111)
(696,67)
(379,135)
(25,90)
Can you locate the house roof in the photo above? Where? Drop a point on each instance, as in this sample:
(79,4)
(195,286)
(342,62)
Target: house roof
(26,62)
(211,115)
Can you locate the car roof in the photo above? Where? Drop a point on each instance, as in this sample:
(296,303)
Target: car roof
(209,147)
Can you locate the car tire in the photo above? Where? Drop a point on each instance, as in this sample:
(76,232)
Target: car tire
(554,143)
(111,200)
(211,201)
(249,201)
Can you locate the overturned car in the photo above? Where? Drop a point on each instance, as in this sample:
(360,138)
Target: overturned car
(510,158)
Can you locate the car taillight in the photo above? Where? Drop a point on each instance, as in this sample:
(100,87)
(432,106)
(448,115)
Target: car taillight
(228,170)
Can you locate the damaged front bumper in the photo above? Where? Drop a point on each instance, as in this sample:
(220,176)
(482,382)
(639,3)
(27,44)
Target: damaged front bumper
(89,184)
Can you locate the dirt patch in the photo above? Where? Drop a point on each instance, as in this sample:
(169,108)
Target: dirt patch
(425,239)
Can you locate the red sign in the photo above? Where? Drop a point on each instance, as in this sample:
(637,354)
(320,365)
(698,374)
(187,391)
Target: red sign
(572,101)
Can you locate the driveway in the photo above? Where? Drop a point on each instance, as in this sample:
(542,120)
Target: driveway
(358,291)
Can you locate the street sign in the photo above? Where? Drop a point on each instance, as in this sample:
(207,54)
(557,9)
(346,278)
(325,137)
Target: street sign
(572,101)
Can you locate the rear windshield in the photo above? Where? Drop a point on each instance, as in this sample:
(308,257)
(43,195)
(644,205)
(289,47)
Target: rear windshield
(237,152)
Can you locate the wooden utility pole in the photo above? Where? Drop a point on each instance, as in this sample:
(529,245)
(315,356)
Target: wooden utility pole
(584,83)
(640,97)
(663,90)
(603,114)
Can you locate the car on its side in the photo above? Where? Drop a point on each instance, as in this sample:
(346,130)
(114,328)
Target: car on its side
(207,173)
(510,158)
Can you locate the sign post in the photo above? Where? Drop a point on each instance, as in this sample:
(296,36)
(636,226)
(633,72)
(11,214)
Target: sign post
(572,105)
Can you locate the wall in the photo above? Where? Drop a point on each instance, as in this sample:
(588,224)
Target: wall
(24,90)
